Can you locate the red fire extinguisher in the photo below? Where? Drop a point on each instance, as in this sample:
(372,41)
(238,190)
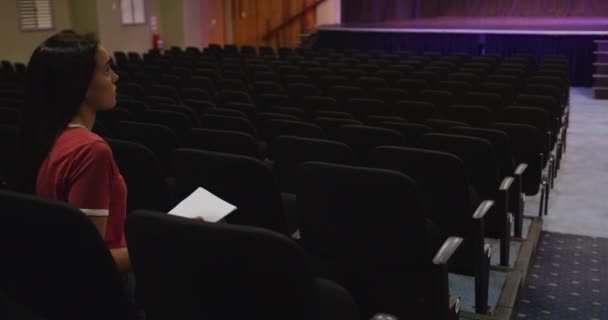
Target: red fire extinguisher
(157,42)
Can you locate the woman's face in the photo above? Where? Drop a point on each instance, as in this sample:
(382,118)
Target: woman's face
(101,94)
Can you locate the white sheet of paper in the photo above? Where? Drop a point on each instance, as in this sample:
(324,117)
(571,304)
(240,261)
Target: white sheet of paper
(202,203)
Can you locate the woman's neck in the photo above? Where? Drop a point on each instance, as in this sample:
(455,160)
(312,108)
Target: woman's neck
(86,117)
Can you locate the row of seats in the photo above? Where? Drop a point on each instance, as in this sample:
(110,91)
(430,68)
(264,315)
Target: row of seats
(454,176)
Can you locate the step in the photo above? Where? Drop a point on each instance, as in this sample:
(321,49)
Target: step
(602,45)
(600,93)
(601,69)
(600,80)
(601,57)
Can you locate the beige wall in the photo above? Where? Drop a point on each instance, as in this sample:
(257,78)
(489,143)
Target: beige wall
(329,12)
(193,33)
(115,36)
(172,22)
(17,46)
(84,16)
(180,22)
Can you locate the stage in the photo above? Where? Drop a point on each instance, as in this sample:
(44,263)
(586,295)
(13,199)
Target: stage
(573,37)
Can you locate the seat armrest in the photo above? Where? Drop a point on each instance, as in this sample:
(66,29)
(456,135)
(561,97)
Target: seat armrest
(447,250)
(521,168)
(506,183)
(515,199)
(384,316)
(483,208)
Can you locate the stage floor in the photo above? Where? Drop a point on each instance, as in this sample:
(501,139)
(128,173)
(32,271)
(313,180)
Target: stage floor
(583,26)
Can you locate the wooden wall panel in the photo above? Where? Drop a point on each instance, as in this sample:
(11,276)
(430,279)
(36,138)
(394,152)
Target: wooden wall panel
(255,18)
(244,19)
(217,32)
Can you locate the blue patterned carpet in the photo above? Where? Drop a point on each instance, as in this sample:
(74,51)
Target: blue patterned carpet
(568,279)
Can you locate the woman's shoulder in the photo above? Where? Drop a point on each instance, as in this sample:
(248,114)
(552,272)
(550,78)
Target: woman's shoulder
(80,137)
(84,143)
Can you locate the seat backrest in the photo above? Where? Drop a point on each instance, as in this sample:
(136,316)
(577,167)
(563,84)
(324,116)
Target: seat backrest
(431,78)
(548,103)
(60,267)
(492,101)
(344,93)
(500,142)
(267,101)
(506,91)
(264,87)
(390,96)
(9,116)
(247,108)
(365,225)
(224,122)
(416,111)
(158,138)
(476,116)
(178,121)
(312,104)
(362,139)
(227,141)
(295,112)
(392,76)
(457,88)
(272,77)
(297,91)
(534,116)
(331,80)
(442,125)
(168,91)
(199,106)
(9,142)
(288,152)
(527,144)
(546,90)
(413,86)
(154,100)
(372,83)
(245,182)
(411,132)
(442,180)
(469,78)
(277,127)
(227,96)
(331,126)
(477,154)
(338,199)
(441,99)
(201,82)
(373,120)
(143,175)
(187,269)
(195,94)
(363,107)
(515,82)
(110,118)
(131,89)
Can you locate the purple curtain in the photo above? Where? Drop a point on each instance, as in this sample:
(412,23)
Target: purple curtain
(385,10)
(523,8)
(379,10)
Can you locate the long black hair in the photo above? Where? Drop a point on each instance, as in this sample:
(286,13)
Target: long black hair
(58,76)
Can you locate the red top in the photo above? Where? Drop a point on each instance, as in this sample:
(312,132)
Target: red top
(81,171)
